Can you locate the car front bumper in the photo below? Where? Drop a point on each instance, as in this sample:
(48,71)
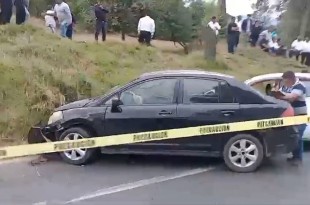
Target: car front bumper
(281,140)
(41,133)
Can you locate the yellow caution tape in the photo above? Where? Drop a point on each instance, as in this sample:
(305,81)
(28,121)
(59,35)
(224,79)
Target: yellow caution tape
(49,147)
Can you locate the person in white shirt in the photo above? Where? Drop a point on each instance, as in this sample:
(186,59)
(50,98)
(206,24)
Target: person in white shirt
(296,48)
(239,24)
(64,16)
(50,19)
(305,53)
(273,46)
(146,29)
(214,25)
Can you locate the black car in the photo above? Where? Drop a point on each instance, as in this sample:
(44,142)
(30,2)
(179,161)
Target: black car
(177,99)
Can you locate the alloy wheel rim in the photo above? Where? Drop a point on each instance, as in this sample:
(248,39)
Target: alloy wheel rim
(74,154)
(243,153)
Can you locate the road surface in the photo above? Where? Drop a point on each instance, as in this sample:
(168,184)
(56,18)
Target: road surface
(117,180)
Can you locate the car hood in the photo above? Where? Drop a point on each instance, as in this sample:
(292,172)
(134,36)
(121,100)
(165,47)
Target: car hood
(75,104)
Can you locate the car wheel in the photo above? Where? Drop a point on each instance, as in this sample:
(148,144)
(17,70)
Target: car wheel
(243,153)
(77,156)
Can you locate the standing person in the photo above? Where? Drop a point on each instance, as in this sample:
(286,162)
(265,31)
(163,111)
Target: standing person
(295,93)
(256,30)
(20,11)
(232,31)
(146,29)
(69,32)
(6,11)
(101,21)
(63,14)
(305,53)
(246,27)
(214,25)
(50,19)
(239,23)
(26,4)
(296,48)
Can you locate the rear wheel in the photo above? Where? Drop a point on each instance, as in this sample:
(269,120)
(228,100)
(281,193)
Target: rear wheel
(243,153)
(77,156)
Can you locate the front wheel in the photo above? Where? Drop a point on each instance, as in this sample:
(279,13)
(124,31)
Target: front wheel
(77,156)
(243,153)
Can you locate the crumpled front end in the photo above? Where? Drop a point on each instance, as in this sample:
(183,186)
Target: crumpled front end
(41,133)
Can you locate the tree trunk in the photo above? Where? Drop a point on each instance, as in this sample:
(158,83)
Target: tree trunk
(123,31)
(305,19)
(210,44)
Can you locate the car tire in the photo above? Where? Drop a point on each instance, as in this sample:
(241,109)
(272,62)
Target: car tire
(78,156)
(243,153)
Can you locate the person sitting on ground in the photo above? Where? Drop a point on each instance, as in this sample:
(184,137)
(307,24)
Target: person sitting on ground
(264,43)
(49,17)
(296,48)
(266,33)
(273,47)
(305,53)
(283,49)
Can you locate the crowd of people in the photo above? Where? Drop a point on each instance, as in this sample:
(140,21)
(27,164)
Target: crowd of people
(62,14)
(21,11)
(252,32)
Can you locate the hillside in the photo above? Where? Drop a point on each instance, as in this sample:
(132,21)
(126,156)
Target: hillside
(40,71)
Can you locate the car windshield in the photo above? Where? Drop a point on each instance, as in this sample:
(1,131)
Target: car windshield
(112,90)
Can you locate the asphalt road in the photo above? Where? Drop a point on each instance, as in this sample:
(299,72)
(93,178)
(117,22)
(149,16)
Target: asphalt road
(117,180)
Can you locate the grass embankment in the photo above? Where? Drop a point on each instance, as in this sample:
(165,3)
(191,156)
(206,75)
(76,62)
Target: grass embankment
(40,71)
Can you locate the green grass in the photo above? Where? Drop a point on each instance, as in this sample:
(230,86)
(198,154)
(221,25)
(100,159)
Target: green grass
(40,71)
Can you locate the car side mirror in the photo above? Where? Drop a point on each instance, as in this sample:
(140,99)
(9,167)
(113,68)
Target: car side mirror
(116,105)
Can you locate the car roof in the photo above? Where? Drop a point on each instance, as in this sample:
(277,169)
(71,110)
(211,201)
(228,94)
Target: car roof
(193,73)
(274,76)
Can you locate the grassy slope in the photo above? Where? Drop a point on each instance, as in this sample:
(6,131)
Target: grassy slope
(39,71)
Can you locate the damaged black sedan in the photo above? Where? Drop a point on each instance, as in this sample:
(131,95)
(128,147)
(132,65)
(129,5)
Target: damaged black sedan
(175,99)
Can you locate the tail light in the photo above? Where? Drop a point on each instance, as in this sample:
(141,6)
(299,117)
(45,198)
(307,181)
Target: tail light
(289,112)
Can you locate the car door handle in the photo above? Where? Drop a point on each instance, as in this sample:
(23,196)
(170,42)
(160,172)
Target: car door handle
(165,112)
(227,113)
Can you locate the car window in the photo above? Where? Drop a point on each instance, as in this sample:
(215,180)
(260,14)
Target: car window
(206,91)
(154,92)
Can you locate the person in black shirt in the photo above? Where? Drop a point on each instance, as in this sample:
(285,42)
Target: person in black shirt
(20,11)
(101,21)
(6,11)
(232,32)
(256,30)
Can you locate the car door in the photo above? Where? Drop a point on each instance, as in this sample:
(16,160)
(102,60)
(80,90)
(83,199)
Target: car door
(205,102)
(147,106)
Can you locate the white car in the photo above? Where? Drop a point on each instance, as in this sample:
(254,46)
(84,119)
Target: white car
(269,79)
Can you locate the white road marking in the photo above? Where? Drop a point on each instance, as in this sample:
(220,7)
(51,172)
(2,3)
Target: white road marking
(137,184)
(41,203)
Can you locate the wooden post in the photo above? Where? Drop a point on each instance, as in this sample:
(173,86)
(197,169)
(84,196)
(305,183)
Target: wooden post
(210,44)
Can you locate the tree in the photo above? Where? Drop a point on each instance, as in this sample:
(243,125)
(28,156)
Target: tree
(295,20)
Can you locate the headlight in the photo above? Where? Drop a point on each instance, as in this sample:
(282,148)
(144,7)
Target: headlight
(56,116)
